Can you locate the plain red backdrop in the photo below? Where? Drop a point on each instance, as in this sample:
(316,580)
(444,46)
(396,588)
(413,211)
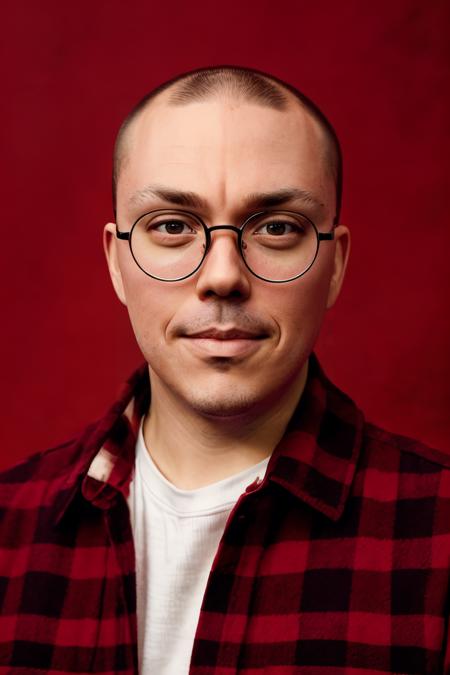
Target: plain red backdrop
(71,71)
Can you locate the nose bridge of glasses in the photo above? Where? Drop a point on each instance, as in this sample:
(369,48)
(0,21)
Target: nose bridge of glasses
(224,227)
(231,228)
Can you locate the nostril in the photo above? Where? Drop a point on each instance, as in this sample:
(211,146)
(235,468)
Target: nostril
(234,293)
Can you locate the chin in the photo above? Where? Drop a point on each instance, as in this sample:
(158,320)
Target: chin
(220,406)
(219,393)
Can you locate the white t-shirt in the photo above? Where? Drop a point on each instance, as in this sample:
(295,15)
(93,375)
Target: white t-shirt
(176,535)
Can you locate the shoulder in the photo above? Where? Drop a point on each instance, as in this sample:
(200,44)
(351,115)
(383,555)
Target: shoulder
(42,464)
(31,482)
(412,453)
(400,468)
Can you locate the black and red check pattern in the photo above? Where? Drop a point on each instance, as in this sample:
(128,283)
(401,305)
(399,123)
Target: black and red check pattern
(337,563)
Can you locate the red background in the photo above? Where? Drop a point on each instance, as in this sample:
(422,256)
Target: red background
(71,71)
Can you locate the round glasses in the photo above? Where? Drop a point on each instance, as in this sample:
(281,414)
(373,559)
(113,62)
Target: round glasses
(276,246)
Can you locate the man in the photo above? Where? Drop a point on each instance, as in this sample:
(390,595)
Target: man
(233,512)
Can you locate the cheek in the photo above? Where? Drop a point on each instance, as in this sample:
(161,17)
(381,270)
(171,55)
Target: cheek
(300,310)
(149,307)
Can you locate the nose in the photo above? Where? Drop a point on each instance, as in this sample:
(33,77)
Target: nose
(223,272)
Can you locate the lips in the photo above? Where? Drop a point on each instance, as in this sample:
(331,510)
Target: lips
(230,334)
(230,343)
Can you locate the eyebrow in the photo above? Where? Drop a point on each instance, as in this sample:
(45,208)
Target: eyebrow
(252,200)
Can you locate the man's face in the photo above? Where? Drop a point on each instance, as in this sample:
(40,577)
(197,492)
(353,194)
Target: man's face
(224,152)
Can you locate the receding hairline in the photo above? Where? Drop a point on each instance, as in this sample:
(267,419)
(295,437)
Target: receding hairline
(235,83)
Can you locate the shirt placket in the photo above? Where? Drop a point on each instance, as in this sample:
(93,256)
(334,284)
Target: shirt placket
(117,523)
(225,609)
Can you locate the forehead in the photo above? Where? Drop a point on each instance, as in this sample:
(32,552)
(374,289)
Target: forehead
(224,149)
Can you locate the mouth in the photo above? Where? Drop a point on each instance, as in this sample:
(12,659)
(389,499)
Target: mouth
(228,343)
(230,334)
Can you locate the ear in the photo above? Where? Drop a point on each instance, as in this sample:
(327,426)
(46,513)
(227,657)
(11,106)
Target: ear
(341,255)
(110,242)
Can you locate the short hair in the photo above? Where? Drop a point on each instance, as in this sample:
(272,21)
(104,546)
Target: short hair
(247,84)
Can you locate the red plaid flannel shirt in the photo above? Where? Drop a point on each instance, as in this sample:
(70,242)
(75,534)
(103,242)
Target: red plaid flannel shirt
(338,562)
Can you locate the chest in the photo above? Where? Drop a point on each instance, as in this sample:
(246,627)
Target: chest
(288,589)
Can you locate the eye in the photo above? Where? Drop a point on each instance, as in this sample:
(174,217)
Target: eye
(173,227)
(278,228)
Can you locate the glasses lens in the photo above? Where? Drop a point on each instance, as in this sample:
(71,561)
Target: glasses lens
(168,245)
(279,245)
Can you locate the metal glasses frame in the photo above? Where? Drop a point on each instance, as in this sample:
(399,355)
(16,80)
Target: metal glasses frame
(321,236)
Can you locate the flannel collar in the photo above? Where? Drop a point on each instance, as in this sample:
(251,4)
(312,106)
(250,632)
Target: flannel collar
(315,460)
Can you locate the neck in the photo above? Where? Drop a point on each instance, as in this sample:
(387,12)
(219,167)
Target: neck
(192,450)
